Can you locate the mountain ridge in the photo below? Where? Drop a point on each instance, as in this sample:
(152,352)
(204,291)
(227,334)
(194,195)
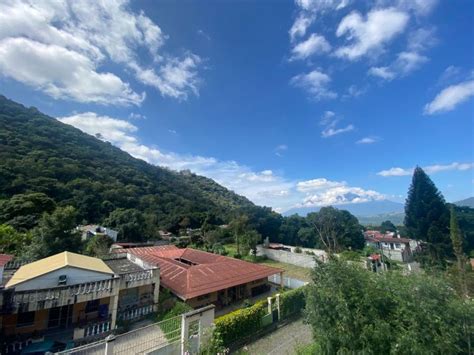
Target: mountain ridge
(39,154)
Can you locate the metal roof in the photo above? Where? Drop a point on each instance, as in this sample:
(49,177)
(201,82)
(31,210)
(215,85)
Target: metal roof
(190,273)
(55,262)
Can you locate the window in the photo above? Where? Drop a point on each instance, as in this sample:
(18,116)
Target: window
(25,319)
(398,245)
(92,306)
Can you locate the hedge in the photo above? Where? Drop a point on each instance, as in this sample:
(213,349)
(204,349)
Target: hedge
(246,321)
(292,302)
(240,323)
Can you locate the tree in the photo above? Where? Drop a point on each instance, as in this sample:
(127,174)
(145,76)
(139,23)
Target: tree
(239,225)
(23,211)
(250,240)
(457,242)
(427,217)
(354,311)
(56,232)
(98,245)
(387,226)
(337,229)
(130,224)
(13,242)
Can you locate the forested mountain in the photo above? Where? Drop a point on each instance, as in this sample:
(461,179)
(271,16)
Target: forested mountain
(45,163)
(468,202)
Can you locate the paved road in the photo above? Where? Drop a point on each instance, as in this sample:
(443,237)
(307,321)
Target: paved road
(283,341)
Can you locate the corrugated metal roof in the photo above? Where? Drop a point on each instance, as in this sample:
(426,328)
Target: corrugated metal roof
(55,262)
(207,273)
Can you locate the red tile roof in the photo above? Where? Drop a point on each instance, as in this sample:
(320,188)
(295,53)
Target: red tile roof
(5,258)
(206,273)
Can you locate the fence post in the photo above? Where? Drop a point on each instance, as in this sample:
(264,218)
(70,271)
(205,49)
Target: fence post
(278,305)
(184,333)
(109,345)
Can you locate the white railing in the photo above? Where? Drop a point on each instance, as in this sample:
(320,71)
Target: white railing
(54,297)
(135,312)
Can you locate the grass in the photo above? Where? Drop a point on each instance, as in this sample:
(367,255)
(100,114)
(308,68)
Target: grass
(293,271)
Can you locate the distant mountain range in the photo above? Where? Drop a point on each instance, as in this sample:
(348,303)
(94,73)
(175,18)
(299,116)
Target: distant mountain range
(467,202)
(374,212)
(371,208)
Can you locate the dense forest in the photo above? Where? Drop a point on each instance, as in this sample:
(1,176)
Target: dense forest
(44,163)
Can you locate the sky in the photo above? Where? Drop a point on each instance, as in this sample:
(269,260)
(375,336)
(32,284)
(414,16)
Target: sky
(289,103)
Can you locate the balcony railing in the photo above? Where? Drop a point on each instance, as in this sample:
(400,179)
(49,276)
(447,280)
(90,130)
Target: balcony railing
(33,300)
(135,312)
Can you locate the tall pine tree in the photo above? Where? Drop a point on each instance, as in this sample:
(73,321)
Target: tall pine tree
(427,217)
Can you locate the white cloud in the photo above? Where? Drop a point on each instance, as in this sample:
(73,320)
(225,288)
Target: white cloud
(308,10)
(318,184)
(450,97)
(81,36)
(62,73)
(395,172)
(321,5)
(330,131)
(422,39)
(341,194)
(368,140)
(315,83)
(430,169)
(280,149)
(405,63)
(329,120)
(382,72)
(315,44)
(299,27)
(368,36)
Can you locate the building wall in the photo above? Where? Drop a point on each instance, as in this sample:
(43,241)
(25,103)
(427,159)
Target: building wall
(74,276)
(202,301)
(10,323)
(303,260)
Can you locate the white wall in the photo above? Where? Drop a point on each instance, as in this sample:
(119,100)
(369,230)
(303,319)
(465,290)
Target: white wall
(74,276)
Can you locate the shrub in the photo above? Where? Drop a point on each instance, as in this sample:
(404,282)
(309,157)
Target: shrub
(292,302)
(298,250)
(240,323)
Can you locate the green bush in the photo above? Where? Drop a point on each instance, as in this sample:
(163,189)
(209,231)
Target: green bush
(240,323)
(298,250)
(292,302)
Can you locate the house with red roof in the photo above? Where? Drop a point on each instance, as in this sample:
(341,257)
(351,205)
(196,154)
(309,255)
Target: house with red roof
(390,244)
(200,278)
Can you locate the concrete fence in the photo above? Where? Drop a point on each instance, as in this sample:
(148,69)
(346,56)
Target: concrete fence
(288,257)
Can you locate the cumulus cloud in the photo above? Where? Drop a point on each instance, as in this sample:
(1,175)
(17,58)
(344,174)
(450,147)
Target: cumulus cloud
(315,83)
(78,38)
(323,192)
(315,44)
(308,10)
(382,72)
(449,98)
(368,36)
(430,169)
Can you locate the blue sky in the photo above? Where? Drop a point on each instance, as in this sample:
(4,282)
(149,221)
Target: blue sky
(291,104)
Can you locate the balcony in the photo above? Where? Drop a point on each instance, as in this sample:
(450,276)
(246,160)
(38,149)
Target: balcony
(135,312)
(33,300)
(137,278)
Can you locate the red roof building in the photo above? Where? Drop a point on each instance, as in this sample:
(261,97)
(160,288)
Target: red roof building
(4,259)
(200,278)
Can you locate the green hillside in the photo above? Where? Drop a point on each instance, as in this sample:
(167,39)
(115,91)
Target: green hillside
(42,159)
